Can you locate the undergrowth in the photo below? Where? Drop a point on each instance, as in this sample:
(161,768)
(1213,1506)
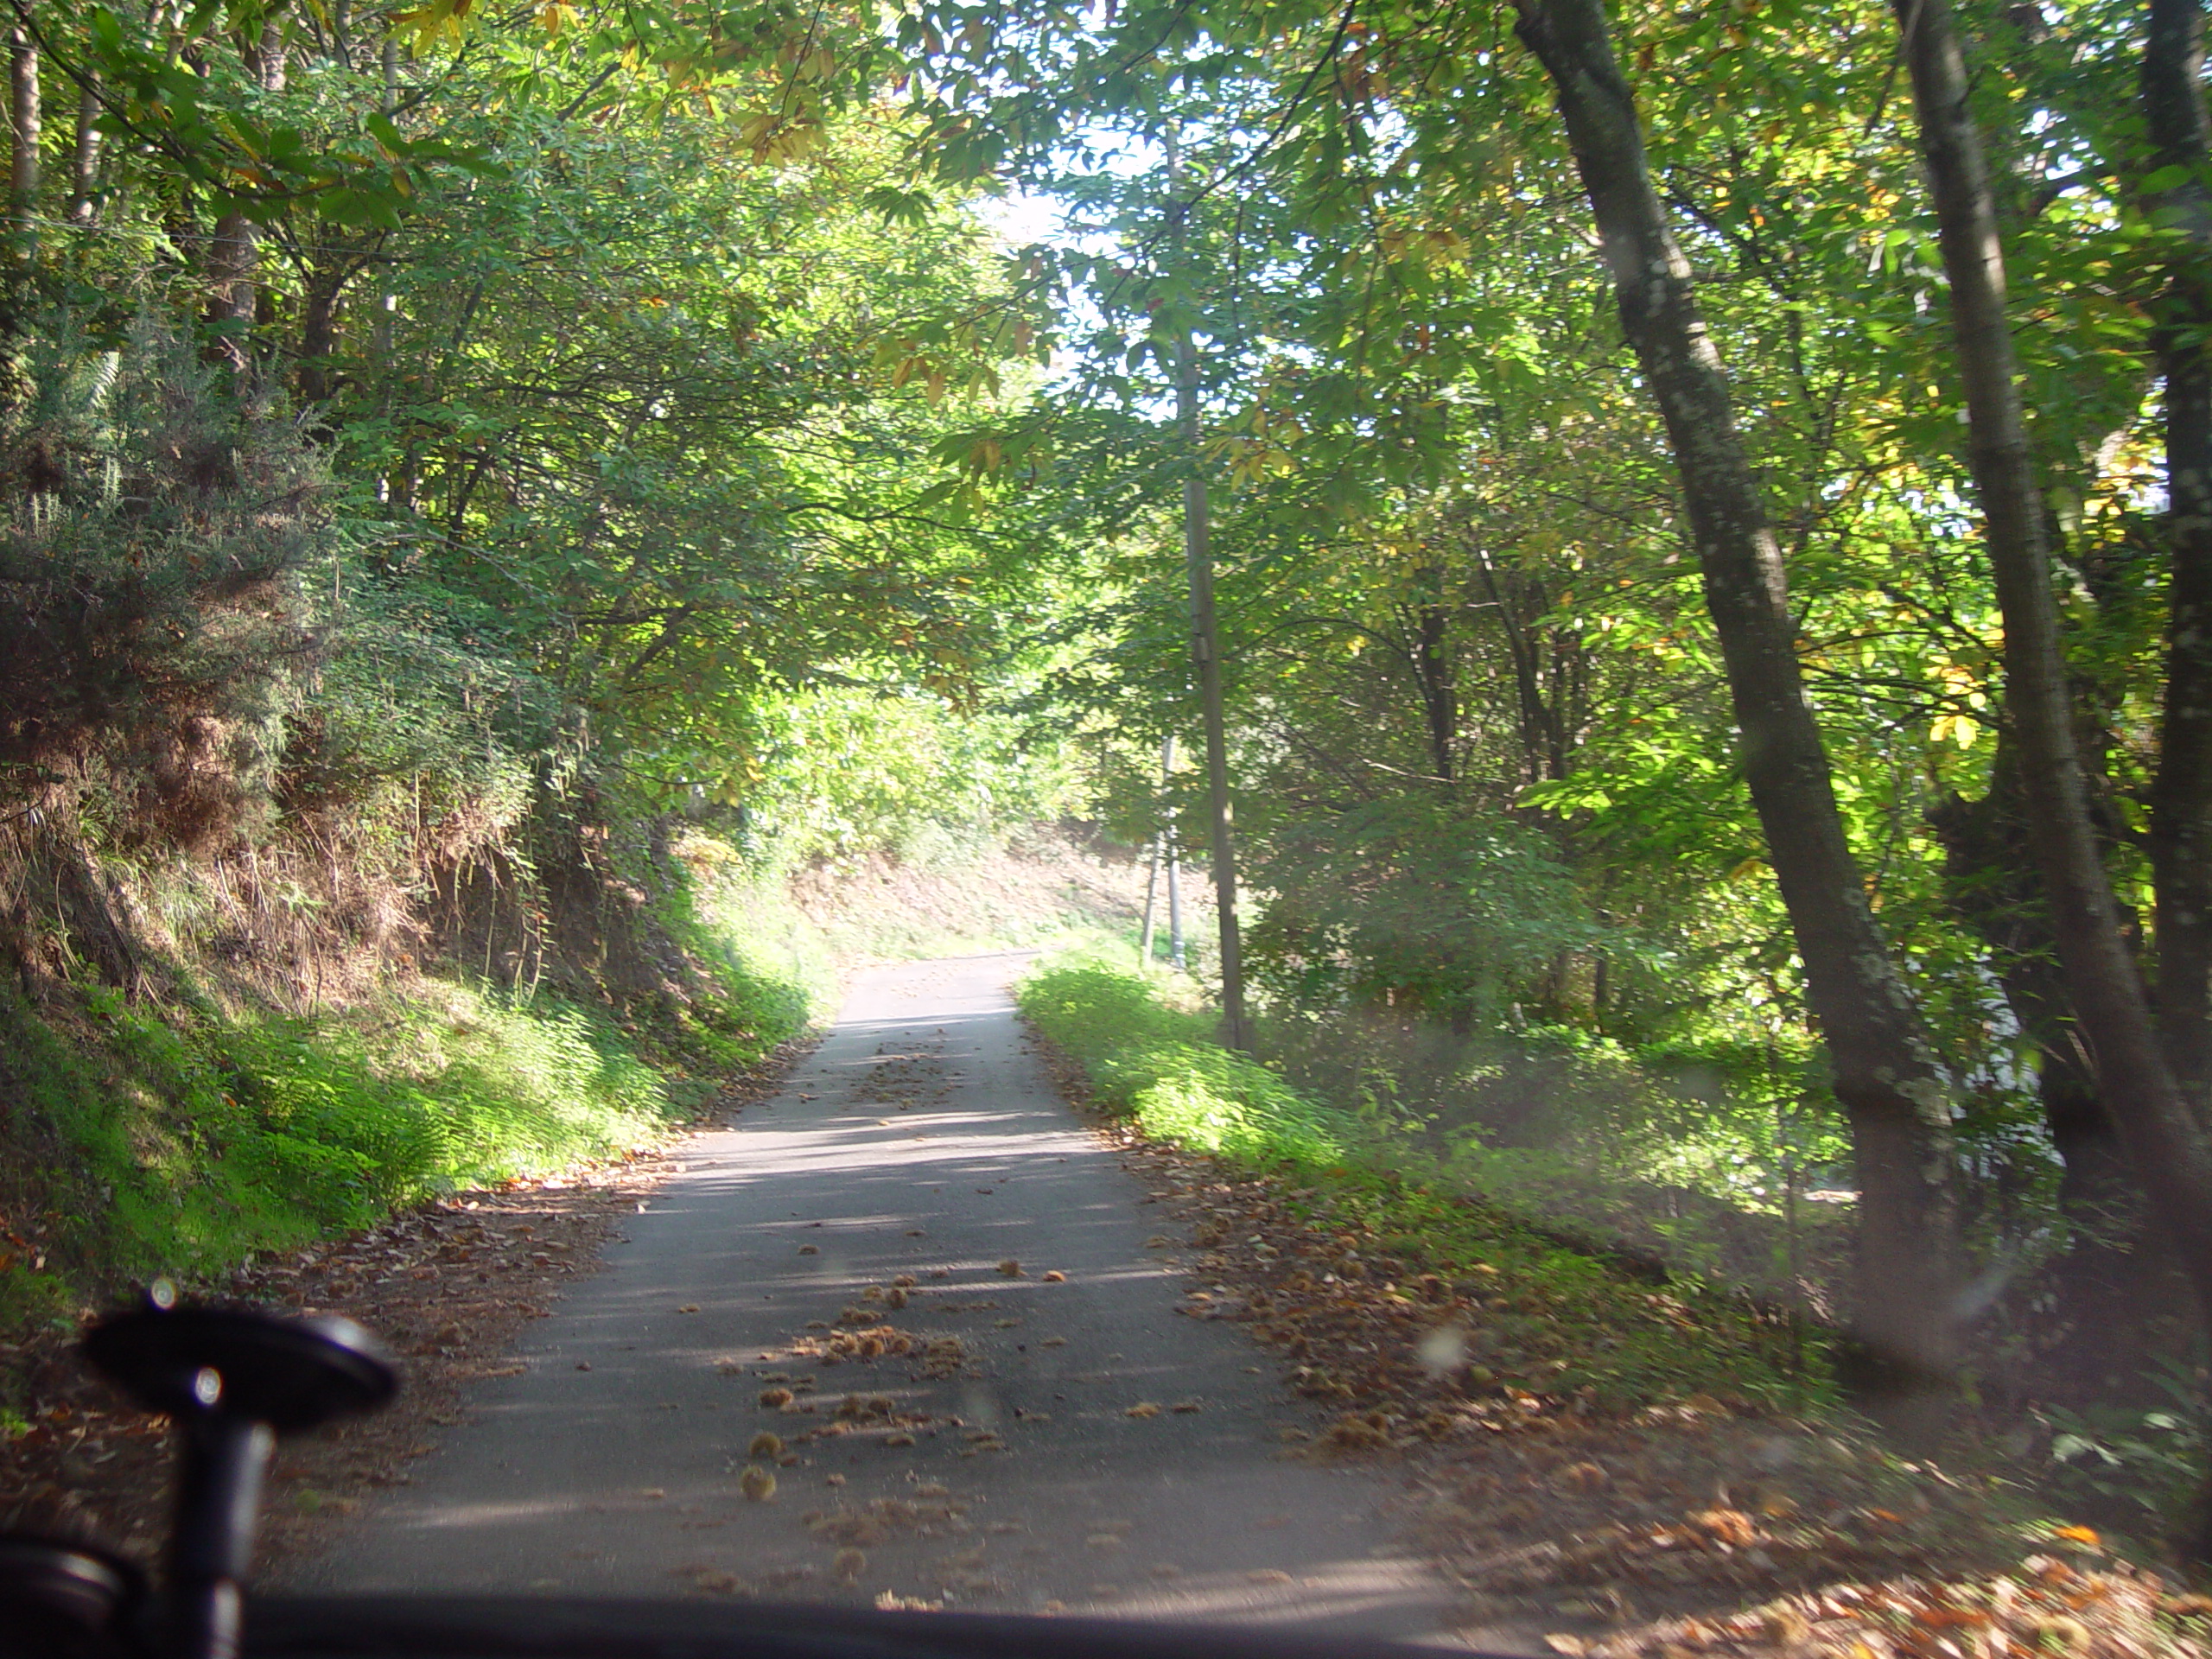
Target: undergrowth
(185,1142)
(1563,1321)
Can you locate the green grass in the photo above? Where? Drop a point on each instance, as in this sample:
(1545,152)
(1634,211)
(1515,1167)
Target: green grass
(184,1143)
(1561,1321)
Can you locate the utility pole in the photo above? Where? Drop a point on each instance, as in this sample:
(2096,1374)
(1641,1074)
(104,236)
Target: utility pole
(1197,559)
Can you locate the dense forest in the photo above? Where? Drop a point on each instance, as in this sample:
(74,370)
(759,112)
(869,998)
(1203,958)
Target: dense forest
(1701,521)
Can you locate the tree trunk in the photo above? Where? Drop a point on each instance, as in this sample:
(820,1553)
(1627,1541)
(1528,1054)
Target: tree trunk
(234,267)
(2167,1146)
(1439,694)
(23,158)
(2110,1287)
(317,335)
(1885,1075)
(234,250)
(84,154)
(2181,800)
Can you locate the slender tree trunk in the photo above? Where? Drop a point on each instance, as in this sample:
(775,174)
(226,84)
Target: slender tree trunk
(1205,652)
(234,263)
(317,335)
(23,155)
(2181,800)
(2110,1287)
(234,250)
(1897,1100)
(2167,1145)
(85,153)
(1151,902)
(1439,696)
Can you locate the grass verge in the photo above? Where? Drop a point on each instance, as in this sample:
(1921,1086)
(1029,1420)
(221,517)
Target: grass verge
(1554,1321)
(184,1142)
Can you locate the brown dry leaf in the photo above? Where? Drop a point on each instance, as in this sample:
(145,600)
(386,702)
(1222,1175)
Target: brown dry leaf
(1142,1409)
(1730,1526)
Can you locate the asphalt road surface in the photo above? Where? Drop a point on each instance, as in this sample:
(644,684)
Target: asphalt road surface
(994,1466)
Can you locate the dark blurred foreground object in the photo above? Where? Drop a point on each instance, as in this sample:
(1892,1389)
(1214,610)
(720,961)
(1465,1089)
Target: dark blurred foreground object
(233,1379)
(523,1627)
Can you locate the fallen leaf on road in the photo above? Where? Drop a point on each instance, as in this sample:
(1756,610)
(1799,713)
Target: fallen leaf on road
(689,1307)
(1142,1409)
(1010,1267)
(1056,1277)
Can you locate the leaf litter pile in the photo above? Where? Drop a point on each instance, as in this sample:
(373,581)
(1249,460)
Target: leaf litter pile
(1613,1465)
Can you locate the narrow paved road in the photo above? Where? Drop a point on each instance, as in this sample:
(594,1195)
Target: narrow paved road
(997,1466)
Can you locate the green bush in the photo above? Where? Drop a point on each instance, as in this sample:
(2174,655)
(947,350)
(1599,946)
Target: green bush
(185,1149)
(1155,1065)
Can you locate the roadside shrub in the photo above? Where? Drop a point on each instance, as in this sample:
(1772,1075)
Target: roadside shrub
(150,531)
(1567,1321)
(153,1147)
(1155,1065)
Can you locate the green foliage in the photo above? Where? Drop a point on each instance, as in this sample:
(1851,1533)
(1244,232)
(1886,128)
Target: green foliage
(1158,1067)
(846,771)
(2134,1465)
(1444,913)
(413,714)
(182,1146)
(151,537)
(1565,1323)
